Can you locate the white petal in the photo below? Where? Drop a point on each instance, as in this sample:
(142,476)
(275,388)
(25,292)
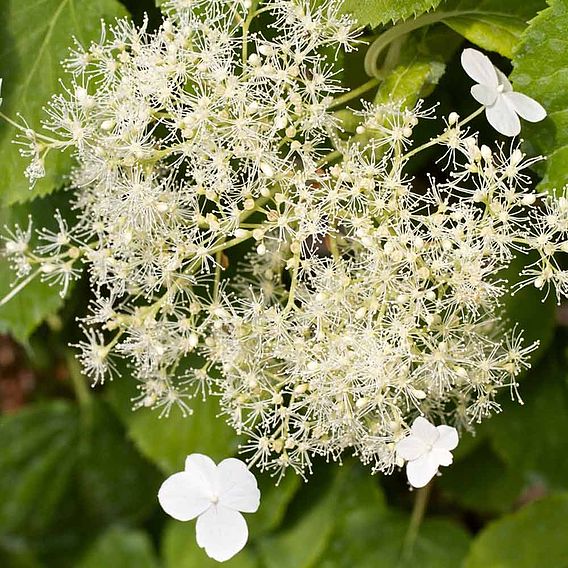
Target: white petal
(238,488)
(484,95)
(503,117)
(202,463)
(411,448)
(526,107)
(221,532)
(504,83)
(184,496)
(479,67)
(442,457)
(448,439)
(203,466)
(422,429)
(422,470)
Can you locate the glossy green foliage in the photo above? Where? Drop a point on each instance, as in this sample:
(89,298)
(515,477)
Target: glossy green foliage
(34,38)
(541,72)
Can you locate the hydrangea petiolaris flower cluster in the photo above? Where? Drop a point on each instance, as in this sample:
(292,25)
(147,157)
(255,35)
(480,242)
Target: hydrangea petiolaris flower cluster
(366,299)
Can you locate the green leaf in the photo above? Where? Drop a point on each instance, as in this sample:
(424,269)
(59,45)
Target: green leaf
(440,543)
(369,538)
(21,315)
(531,438)
(482,482)
(366,533)
(322,512)
(20,559)
(495,25)
(376,12)
(534,536)
(377,540)
(63,476)
(116,484)
(36,463)
(180,550)
(273,503)
(34,38)
(420,65)
(528,308)
(469,441)
(302,544)
(540,71)
(167,441)
(121,548)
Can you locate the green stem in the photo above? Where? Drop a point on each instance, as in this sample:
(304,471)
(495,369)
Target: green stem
(372,56)
(471,116)
(418,512)
(246,25)
(24,129)
(334,249)
(79,381)
(329,158)
(20,286)
(293,285)
(218,269)
(340,101)
(224,245)
(440,138)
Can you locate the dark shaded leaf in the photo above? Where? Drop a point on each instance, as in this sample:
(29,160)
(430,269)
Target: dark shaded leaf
(116,483)
(121,548)
(531,438)
(482,482)
(36,464)
(273,503)
(534,536)
(167,441)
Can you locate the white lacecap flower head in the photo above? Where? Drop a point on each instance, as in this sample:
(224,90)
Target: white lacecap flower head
(503,106)
(425,449)
(216,495)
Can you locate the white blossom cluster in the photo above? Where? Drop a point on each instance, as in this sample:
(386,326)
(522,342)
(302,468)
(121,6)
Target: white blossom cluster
(366,298)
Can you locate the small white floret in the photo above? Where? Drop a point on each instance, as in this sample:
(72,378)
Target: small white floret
(503,106)
(425,449)
(216,495)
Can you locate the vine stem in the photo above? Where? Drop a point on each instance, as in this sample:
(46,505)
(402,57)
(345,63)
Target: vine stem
(372,56)
(418,512)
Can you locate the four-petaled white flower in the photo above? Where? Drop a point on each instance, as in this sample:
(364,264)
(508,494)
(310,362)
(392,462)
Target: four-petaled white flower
(495,93)
(216,495)
(426,448)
